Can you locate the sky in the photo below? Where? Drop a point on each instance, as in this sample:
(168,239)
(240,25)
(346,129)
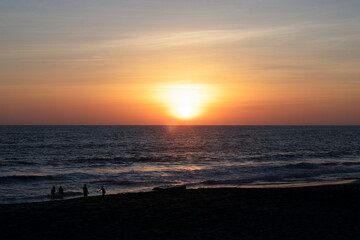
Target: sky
(149,62)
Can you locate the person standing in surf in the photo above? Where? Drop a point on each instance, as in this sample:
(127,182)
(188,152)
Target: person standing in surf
(53,191)
(61,191)
(85,191)
(102,189)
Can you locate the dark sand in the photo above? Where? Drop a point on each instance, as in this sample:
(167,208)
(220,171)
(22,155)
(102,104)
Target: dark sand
(326,212)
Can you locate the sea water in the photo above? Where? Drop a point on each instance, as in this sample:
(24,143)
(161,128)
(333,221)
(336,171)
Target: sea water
(138,158)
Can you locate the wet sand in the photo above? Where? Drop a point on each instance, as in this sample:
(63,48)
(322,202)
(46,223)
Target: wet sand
(322,212)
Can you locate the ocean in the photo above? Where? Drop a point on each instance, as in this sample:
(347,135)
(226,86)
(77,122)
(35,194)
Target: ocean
(139,158)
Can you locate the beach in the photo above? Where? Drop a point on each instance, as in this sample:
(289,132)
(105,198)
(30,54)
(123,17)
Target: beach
(317,212)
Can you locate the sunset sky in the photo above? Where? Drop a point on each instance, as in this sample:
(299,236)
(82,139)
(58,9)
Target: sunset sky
(180,62)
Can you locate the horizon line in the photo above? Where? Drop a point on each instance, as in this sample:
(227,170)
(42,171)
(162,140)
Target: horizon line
(265,125)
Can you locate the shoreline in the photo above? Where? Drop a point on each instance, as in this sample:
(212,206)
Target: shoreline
(210,186)
(313,212)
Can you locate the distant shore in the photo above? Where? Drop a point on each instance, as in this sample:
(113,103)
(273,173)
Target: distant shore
(316,212)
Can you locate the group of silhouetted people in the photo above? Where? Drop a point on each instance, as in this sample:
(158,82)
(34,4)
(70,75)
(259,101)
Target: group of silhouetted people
(60,191)
(85,191)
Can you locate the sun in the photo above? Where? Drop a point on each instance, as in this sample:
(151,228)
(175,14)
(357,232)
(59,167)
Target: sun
(186,101)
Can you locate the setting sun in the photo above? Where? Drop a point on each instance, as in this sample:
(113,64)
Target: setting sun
(186,101)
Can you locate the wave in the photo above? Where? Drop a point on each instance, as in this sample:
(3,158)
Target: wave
(270,174)
(126,160)
(24,162)
(130,183)
(146,157)
(239,182)
(227,182)
(15,163)
(305,165)
(350,163)
(303,155)
(242,181)
(115,182)
(329,164)
(12,178)
(273,179)
(27,178)
(302,166)
(95,160)
(115,160)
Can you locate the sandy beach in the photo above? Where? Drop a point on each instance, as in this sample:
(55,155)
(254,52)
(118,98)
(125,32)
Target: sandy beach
(320,212)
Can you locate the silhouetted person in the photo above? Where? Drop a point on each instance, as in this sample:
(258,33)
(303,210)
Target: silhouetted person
(102,189)
(61,191)
(85,191)
(53,191)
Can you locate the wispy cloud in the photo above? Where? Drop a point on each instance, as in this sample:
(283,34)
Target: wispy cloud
(186,38)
